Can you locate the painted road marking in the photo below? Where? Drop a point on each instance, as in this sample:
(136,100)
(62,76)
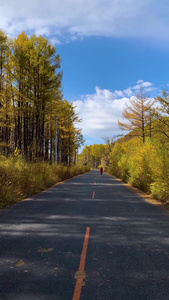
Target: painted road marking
(94,183)
(93,195)
(80,275)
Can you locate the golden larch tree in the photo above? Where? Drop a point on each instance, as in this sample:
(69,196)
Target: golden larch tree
(138,115)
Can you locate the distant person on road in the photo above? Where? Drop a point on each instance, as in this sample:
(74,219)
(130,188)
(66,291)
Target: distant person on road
(101,170)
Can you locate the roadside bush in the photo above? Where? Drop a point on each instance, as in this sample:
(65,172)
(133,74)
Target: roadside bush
(141,163)
(138,164)
(124,167)
(116,154)
(160,187)
(19,179)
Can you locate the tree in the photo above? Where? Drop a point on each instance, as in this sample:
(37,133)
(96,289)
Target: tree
(79,141)
(162,113)
(137,114)
(93,154)
(5,94)
(31,98)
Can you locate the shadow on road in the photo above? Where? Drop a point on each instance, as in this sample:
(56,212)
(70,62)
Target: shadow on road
(41,241)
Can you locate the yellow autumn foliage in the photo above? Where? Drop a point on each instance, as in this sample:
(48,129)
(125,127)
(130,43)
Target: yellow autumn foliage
(19,179)
(143,165)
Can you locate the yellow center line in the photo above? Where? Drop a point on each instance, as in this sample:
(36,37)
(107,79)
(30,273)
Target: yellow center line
(94,183)
(80,274)
(93,195)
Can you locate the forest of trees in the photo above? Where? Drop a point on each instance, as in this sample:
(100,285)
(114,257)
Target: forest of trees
(141,157)
(96,154)
(31,100)
(34,118)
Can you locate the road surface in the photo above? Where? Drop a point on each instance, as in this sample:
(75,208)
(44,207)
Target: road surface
(89,238)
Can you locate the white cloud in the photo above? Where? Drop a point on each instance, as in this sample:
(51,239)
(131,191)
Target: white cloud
(80,18)
(100,111)
(146,85)
(43,31)
(151,89)
(128,92)
(118,93)
(142,84)
(55,41)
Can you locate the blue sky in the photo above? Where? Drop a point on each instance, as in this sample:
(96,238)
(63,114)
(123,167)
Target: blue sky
(108,48)
(111,63)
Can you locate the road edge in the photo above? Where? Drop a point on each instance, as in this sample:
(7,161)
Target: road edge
(31,197)
(146,197)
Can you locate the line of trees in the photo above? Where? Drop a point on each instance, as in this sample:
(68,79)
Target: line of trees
(31,99)
(92,154)
(97,154)
(141,157)
(142,119)
(145,120)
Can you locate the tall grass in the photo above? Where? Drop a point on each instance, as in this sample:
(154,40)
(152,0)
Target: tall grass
(19,179)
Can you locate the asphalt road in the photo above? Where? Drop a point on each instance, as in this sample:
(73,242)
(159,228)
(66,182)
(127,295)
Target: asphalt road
(41,241)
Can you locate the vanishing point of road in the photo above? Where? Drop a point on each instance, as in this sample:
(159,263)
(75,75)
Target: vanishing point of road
(90,238)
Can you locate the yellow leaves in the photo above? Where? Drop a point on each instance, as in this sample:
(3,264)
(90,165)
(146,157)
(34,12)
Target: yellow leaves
(20,263)
(45,250)
(21,39)
(80,275)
